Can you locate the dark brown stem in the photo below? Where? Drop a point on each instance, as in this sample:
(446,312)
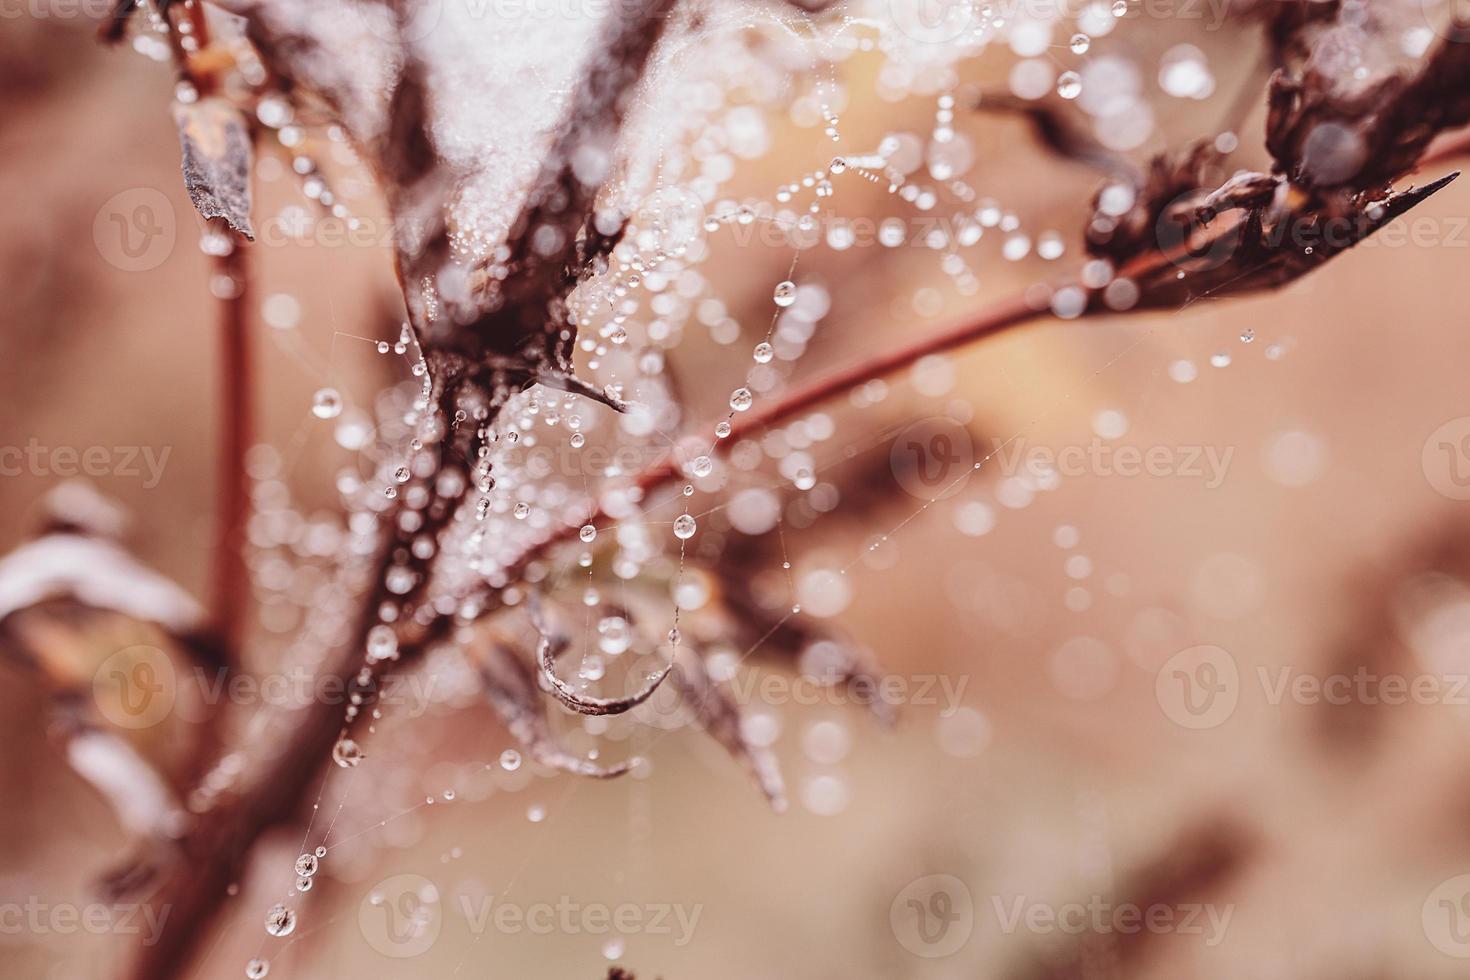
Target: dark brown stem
(218,844)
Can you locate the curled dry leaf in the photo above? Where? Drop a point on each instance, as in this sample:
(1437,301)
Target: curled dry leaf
(551,645)
(511,687)
(216,143)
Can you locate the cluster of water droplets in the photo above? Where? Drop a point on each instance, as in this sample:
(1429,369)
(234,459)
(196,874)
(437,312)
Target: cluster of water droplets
(553,466)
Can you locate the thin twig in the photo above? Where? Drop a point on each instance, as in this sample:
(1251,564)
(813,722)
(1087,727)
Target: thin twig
(231,580)
(996,319)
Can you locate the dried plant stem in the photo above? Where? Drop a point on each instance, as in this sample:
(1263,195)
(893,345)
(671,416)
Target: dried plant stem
(1001,316)
(231,580)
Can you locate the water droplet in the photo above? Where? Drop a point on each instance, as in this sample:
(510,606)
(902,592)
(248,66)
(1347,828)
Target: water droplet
(1080,43)
(382,643)
(684,527)
(1069,85)
(383,347)
(722,430)
(1120,8)
(326,403)
(837,166)
(741,399)
(613,948)
(1220,360)
(256,969)
(303,884)
(521,510)
(280,921)
(578,440)
(320,852)
(763,353)
(401,474)
(510,760)
(536,813)
(1248,335)
(307,865)
(785,293)
(702,466)
(588,533)
(346,753)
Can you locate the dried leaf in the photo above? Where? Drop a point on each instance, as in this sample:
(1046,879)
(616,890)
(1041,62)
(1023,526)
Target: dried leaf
(217,159)
(552,644)
(719,715)
(511,687)
(581,703)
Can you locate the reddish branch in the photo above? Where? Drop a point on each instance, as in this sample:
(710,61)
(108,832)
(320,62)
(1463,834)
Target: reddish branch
(231,580)
(993,320)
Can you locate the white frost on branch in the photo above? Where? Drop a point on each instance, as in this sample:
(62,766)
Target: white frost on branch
(96,573)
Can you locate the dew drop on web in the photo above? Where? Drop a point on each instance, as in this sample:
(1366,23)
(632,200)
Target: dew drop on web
(346,753)
(280,921)
(326,403)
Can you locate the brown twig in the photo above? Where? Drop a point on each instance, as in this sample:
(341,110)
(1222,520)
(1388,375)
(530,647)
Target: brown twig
(996,319)
(231,579)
